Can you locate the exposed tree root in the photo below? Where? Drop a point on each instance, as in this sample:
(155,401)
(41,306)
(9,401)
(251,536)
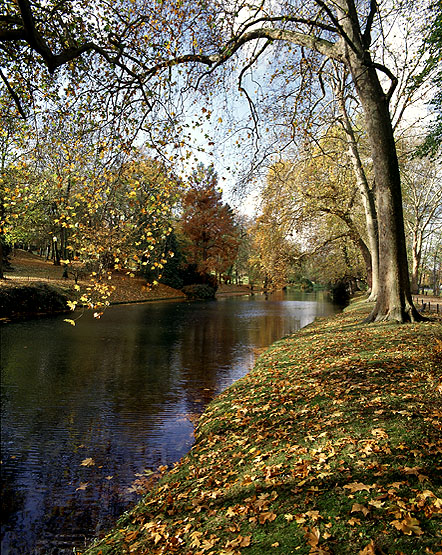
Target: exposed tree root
(401,315)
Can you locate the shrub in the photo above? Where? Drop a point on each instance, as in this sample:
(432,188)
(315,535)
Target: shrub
(199,291)
(31,299)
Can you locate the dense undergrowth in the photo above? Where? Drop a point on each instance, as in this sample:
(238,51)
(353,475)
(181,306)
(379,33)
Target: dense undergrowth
(32,300)
(330,445)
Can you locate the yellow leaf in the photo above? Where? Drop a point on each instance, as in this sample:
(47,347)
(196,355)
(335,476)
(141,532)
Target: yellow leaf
(408,526)
(88,462)
(72,322)
(370,549)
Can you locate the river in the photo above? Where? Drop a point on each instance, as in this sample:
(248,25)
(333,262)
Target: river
(89,411)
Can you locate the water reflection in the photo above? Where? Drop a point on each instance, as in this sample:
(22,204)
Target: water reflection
(121,391)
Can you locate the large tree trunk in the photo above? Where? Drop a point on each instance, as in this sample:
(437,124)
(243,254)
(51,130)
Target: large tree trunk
(394,301)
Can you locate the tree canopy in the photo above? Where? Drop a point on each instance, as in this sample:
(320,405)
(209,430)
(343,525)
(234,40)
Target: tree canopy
(143,58)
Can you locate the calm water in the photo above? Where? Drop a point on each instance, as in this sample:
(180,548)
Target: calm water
(123,392)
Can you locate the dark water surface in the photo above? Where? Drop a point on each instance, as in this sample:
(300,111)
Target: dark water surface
(122,391)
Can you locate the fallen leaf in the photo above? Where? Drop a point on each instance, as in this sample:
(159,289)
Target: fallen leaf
(379,432)
(358,508)
(357,486)
(82,486)
(369,549)
(88,462)
(408,526)
(313,536)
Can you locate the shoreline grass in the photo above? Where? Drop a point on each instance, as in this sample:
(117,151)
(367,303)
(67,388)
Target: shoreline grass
(331,444)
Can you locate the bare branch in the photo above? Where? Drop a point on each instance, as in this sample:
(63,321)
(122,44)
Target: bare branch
(390,74)
(318,248)
(322,46)
(339,27)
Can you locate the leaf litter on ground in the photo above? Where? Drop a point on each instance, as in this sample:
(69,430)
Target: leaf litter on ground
(330,445)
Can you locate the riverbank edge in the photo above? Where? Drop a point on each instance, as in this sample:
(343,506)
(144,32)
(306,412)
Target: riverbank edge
(57,292)
(69,294)
(330,444)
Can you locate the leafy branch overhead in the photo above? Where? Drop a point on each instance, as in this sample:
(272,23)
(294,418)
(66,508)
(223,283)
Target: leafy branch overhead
(146,59)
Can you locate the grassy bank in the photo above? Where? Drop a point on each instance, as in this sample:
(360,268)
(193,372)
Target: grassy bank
(331,444)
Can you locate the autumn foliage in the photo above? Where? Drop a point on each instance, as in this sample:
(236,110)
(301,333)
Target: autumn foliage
(208,224)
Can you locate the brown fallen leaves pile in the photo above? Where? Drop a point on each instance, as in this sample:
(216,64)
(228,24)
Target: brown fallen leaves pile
(330,445)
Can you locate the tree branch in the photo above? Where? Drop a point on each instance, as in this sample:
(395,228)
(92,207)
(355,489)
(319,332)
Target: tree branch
(318,248)
(12,35)
(390,74)
(366,37)
(13,94)
(322,46)
(339,27)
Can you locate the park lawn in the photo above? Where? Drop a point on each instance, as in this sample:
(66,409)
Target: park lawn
(331,444)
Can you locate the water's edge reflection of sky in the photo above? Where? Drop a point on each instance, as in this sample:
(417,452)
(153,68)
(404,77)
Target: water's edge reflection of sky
(122,391)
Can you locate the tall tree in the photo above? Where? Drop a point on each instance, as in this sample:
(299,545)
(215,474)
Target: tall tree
(208,223)
(432,46)
(315,201)
(423,206)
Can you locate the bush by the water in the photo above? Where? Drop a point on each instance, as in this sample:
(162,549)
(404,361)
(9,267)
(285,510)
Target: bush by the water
(306,284)
(199,291)
(31,299)
(340,293)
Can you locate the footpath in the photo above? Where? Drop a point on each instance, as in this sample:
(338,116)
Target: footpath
(330,445)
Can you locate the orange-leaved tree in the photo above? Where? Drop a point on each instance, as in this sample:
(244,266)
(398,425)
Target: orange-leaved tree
(208,224)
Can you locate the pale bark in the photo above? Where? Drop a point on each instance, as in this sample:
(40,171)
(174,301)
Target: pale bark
(366,195)
(394,301)
(416,252)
